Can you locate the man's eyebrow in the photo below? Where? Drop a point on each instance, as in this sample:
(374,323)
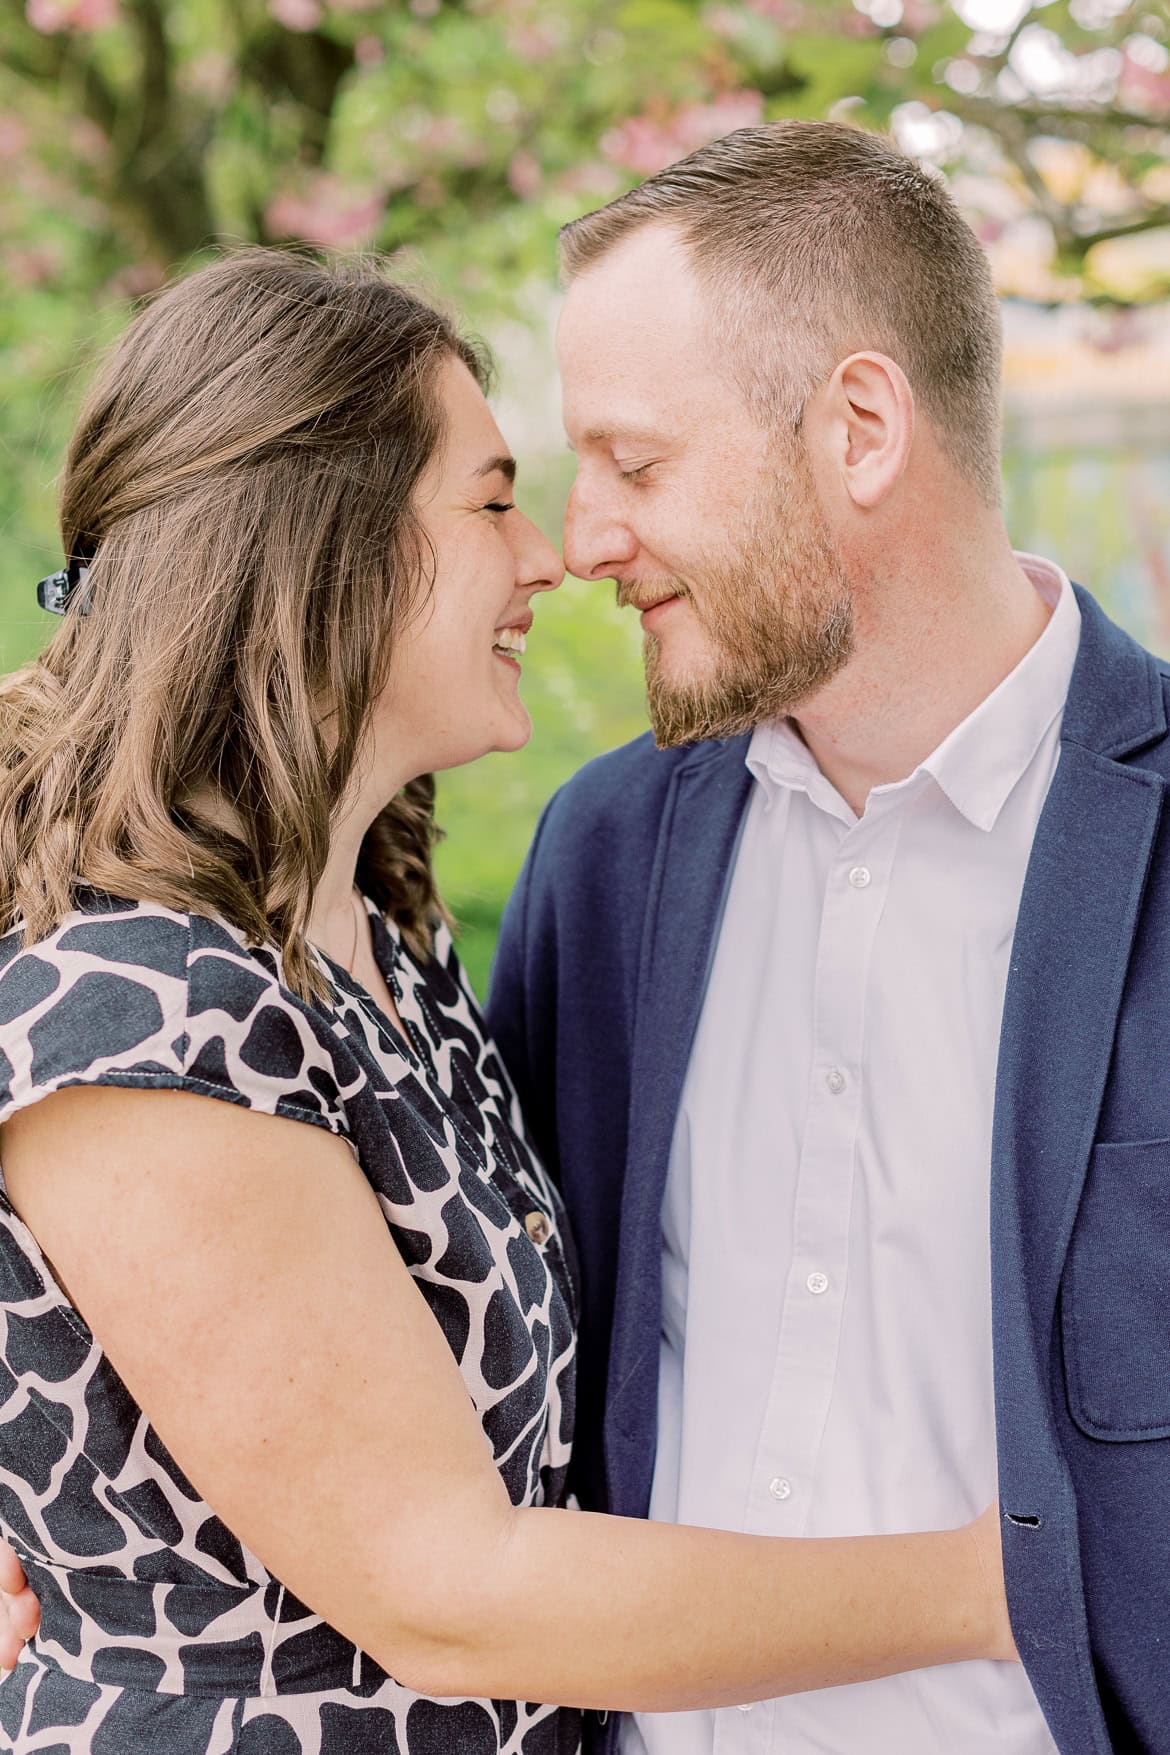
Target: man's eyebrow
(504,464)
(611,435)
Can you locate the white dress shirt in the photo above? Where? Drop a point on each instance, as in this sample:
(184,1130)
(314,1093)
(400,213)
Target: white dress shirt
(826,1341)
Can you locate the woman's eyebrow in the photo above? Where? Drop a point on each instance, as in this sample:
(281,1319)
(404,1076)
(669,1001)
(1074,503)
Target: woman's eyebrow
(505,465)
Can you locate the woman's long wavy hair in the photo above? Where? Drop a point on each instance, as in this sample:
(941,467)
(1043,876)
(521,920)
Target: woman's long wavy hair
(240,486)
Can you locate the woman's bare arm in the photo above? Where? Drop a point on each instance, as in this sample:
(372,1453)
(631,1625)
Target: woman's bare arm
(237,1270)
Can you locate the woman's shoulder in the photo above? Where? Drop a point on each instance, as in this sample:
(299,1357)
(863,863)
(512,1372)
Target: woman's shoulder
(111,975)
(140,956)
(135,993)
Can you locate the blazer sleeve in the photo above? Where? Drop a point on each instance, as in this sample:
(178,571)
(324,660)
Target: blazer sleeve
(521,1008)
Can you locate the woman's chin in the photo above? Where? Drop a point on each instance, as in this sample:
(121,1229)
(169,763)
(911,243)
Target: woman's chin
(503,737)
(516,733)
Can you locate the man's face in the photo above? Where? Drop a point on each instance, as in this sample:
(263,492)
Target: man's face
(708,520)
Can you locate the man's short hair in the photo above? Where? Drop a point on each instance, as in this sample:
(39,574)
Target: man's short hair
(814,240)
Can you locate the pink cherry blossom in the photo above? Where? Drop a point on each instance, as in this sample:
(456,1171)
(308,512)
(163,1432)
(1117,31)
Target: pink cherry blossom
(31,265)
(88,140)
(136,280)
(212,75)
(646,144)
(788,14)
(53,16)
(13,137)
(917,15)
(525,176)
(534,41)
(325,212)
(725,21)
(1144,89)
(299,15)
(442,134)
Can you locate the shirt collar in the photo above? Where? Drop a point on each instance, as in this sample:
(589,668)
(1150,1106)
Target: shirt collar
(978,764)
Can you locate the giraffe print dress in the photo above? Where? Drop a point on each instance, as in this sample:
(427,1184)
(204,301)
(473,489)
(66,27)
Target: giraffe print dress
(160,1631)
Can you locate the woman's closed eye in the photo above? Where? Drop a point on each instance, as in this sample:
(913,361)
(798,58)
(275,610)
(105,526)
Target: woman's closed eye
(500,506)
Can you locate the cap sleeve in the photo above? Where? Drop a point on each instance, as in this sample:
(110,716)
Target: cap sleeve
(137,996)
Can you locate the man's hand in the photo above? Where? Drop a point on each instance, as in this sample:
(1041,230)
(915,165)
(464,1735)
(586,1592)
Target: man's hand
(19,1610)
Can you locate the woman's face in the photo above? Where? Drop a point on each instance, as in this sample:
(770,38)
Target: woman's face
(453,691)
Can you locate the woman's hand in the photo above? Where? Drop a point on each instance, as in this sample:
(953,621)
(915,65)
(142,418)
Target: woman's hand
(19,1610)
(986,1533)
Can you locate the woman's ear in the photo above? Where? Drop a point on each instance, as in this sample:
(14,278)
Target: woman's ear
(868,412)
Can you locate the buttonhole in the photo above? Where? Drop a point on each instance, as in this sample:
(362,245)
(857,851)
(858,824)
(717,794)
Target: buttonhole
(1028,1523)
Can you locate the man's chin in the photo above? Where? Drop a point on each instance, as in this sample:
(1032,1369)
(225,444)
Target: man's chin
(681,716)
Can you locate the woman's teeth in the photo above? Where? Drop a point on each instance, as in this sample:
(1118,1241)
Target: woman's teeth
(511,641)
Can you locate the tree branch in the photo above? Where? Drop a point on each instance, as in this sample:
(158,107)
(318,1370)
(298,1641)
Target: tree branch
(309,67)
(1081,243)
(155,84)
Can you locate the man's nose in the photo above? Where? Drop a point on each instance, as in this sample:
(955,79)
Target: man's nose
(597,544)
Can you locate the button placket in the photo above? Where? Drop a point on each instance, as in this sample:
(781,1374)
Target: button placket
(785,1470)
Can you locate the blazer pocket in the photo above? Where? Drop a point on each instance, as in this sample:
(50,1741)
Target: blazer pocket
(1115,1295)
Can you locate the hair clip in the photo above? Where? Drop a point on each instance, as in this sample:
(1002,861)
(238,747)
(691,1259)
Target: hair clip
(57,590)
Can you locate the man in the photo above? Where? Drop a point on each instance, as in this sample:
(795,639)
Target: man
(773,1017)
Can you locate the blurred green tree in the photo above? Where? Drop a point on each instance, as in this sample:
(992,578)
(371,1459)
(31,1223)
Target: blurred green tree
(153,128)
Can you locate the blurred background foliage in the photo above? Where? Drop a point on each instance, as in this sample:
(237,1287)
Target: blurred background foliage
(459,134)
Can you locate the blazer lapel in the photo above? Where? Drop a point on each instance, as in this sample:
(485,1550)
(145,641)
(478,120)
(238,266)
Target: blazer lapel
(1074,933)
(1075,926)
(697,840)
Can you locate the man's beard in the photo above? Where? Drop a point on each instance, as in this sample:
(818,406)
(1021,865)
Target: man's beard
(777,610)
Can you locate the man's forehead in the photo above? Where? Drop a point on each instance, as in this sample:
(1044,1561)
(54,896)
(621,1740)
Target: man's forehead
(638,295)
(647,403)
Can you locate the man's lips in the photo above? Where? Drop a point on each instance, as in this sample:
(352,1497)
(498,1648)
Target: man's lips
(658,611)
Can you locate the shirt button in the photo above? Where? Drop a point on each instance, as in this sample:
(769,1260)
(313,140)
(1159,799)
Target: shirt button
(537,1227)
(835,1081)
(746,1708)
(780,1488)
(859,877)
(817,1283)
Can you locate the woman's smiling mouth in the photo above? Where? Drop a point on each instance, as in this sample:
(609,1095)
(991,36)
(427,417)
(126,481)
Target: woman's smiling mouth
(510,641)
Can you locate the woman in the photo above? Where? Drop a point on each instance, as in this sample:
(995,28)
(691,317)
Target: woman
(289,1303)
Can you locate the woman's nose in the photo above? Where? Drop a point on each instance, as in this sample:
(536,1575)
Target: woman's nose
(539,565)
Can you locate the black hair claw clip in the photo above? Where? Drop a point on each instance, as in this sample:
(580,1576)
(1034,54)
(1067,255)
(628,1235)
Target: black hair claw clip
(57,590)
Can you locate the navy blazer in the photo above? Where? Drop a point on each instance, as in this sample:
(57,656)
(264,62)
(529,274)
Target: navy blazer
(596,990)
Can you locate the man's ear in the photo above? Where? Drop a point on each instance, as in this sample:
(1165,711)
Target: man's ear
(867,410)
